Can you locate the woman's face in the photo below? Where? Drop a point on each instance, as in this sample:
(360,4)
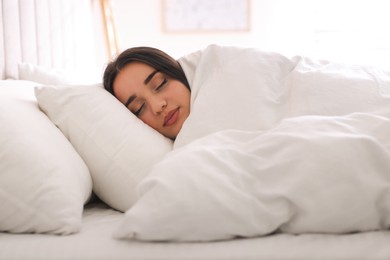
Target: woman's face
(159,101)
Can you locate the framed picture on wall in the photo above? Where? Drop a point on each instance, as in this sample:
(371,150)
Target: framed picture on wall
(205,15)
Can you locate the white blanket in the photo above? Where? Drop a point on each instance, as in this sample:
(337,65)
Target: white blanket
(247,89)
(272,144)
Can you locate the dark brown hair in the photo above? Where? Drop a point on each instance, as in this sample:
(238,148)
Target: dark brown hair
(153,57)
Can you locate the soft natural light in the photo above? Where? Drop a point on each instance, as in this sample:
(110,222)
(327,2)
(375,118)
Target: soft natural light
(354,31)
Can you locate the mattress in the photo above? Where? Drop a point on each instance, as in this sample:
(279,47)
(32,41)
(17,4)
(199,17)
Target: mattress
(95,241)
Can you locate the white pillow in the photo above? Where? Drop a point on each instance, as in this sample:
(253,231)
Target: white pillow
(118,148)
(42,75)
(54,76)
(43,181)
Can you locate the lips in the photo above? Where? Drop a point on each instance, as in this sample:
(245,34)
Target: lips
(171,117)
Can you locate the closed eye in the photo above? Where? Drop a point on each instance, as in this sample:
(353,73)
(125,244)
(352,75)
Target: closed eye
(163,83)
(139,111)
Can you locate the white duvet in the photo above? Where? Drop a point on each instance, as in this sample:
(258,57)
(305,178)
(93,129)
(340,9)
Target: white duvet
(271,145)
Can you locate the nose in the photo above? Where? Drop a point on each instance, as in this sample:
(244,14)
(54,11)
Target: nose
(157,104)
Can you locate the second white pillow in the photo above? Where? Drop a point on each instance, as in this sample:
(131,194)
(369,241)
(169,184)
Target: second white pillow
(118,148)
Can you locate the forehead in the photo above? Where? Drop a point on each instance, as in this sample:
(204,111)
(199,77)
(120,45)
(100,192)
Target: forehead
(134,71)
(131,76)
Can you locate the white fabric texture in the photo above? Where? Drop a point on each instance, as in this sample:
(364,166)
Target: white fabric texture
(234,88)
(308,174)
(43,181)
(249,89)
(253,158)
(46,76)
(118,148)
(32,72)
(95,242)
(327,88)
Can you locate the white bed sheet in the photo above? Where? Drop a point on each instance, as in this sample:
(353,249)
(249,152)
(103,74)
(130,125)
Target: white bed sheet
(95,242)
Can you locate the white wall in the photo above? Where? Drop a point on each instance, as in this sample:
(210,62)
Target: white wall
(293,27)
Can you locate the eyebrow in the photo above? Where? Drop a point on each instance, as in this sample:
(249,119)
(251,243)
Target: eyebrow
(146,81)
(149,78)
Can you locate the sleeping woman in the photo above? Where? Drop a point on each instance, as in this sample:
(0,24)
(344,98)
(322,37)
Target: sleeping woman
(153,86)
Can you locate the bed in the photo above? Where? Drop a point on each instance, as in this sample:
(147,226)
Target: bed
(70,190)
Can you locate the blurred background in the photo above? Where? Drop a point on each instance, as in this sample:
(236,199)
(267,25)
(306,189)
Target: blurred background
(354,31)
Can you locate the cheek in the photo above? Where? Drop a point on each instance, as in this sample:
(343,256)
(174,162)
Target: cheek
(181,94)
